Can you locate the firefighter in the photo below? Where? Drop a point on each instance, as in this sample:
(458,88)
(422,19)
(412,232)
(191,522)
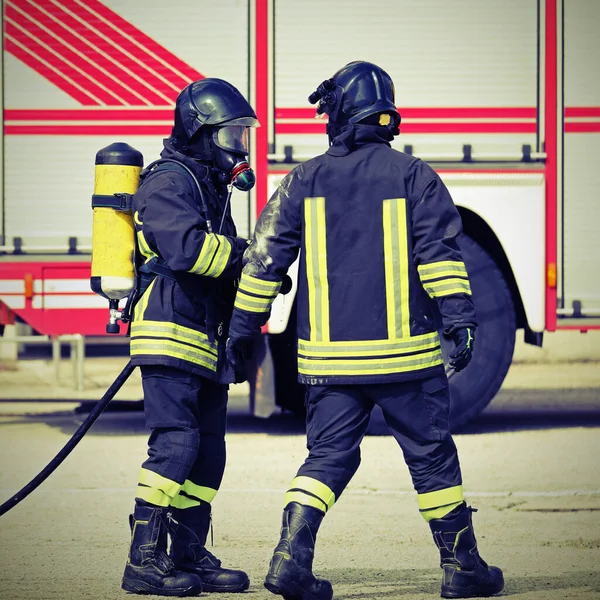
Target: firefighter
(377,230)
(191,259)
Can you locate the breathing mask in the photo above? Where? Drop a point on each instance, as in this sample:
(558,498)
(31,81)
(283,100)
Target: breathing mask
(230,144)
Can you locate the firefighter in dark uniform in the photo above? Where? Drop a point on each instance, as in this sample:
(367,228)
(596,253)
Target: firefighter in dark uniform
(191,259)
(377,230)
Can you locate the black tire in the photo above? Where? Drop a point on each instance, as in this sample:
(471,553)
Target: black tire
(471,390)
(474,388)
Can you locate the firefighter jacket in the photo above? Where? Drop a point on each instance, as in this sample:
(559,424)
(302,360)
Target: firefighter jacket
(181,319)
(377,231)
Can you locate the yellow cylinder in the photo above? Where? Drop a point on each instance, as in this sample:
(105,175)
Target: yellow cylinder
(118,168)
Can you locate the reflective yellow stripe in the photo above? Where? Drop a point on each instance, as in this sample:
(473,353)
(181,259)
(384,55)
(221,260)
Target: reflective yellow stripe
(201,492)
(220,261)
(417,343)
(184,502)
(251,303)
(371,366)
(430,500)
(315,487)
(438,513)
(207,252)
(395,249)
(191,494)
(316,267)
(176,350)
(136,218)
(442,268)
(213,256)
(155,488)
(153,496)
(143,246)
(445,273)
(446,287)
(259,287)
(160,329)
(305,500)
(140,307)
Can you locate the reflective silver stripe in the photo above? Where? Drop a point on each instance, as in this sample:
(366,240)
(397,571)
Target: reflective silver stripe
(316,267)
(370,348)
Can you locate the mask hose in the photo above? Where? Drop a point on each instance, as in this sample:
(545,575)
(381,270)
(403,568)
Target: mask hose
(242,178)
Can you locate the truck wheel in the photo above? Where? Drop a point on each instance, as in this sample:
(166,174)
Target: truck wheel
(474,388)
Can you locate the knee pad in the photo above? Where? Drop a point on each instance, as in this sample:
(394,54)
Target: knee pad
(175,450)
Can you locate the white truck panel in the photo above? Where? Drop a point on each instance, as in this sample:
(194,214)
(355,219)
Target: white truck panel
(464,53)
(25,89)
(581,176)
(513,206)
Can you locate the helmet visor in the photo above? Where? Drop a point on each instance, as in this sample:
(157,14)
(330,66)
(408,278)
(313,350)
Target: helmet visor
(233,138)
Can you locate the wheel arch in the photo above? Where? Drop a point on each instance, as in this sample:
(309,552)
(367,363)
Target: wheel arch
(479,230)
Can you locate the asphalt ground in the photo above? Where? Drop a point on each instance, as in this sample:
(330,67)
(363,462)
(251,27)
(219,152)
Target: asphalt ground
(530,467)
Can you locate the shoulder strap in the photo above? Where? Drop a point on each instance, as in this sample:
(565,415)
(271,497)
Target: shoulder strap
(175,165)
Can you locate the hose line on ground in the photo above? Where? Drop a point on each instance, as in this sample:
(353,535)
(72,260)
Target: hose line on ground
(75,439)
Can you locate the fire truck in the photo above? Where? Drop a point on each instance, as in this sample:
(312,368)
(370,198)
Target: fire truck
(501,98)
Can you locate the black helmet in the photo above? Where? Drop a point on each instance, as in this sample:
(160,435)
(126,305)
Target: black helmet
(212,102)
(356,92)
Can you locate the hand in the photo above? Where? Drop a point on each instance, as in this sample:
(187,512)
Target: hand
(239,352)
(463,339)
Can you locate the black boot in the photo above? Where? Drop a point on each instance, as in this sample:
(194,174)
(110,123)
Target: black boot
(189,528)
(149,570)
(466,574)
(290,572)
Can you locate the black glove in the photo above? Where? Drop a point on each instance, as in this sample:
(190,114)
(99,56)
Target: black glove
(463,339)
(239,353)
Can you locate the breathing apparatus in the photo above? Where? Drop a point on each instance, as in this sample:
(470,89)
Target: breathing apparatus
(117,174)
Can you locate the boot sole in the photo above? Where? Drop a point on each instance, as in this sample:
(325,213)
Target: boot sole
(139,587)
(290,590)
(232,589)
(470,592)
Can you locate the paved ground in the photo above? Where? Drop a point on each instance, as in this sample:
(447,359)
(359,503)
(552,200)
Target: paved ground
(530,466)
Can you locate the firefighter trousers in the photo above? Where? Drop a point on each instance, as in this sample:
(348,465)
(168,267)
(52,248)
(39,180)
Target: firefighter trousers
(417,413)
(186,415)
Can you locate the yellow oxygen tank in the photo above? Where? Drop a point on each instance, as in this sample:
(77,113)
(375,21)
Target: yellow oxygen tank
(117,175)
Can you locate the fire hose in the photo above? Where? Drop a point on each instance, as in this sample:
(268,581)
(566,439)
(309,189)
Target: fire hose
(75,439)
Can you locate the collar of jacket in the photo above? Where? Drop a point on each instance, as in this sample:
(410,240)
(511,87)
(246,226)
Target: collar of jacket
(201,171)
(355,136)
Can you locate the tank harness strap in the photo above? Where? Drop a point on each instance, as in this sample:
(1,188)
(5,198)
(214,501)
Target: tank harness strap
(122,202)
(148,271)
